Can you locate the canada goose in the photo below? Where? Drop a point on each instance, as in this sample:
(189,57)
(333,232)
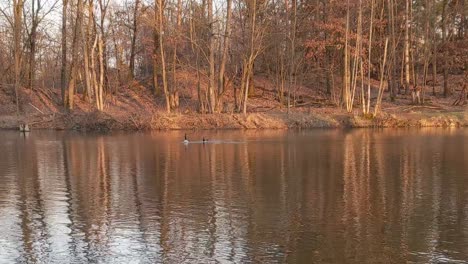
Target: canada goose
(185,139)
(24,128)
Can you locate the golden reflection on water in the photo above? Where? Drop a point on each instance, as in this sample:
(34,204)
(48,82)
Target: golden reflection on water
(322,196)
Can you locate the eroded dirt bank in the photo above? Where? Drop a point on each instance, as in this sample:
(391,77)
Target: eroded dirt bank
(137,108)
(316,118)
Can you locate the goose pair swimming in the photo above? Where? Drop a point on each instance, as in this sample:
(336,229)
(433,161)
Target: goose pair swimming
(186,141)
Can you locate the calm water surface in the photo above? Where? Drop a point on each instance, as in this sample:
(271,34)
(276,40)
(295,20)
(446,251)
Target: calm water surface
(359,196)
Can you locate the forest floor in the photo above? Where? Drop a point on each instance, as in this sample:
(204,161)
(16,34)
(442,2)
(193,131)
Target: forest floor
(135,107)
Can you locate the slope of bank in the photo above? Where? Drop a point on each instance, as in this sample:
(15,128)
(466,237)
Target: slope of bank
(136,108)
(317,118)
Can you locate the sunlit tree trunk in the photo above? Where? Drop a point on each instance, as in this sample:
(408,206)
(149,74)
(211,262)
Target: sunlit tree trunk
(382,75)
(100,94)
(160,7)
(366,99)
(250,61)
(86,46)
(292,63)
(134,38)
(174,94)
(434,59)
(103,4)
(428,9)
(407,47)
(447,89)
(32,41)
(392,83)
(211,50)
(346,75)
(63,70)
(155,48)
(17,29)
(227,35)
(75,47)
(93,70)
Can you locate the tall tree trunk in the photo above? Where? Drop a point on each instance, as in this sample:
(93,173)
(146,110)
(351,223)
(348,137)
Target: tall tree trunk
(134,38)
(292,63)
(93,70)
(75,47)
(211,50)
(160,6)
(366,103)
(86,46)
(382,76)
(346,84)
(17,28)
(407,47)
(63,70)
(427,48)
(195,50)
(156,48)
(100,95)
(251,58)
(434,60)
(392,83)
(227,35)
(103,4)
(174,92)
(32,41)
(447,90)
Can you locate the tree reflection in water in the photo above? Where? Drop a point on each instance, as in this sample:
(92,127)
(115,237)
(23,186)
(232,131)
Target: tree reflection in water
(359,196)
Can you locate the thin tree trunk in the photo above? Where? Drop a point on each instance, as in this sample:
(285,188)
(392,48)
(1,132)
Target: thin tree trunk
(75,44)
(251,56)
(428,9)
(293,52)
(86,46)
(100,95)
(63,70)
(174,93)
(155,48)
(346,84)
(434,60)
(160,5)
(211,50)
(103,11)
(134,38)
(367,104)
(382,71)
(407,47)
(392,64)
(17,28)
(227,35)
(447,90)
(94,82)
(32,43)
(356,61)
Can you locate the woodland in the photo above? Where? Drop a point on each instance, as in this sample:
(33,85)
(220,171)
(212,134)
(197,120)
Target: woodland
(138,62)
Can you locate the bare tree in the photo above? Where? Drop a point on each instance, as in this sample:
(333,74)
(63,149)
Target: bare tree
(160,7)
(447,89)
(74,62)
(211,51)
(224,55)
(407,44)
(63,71)
(134,38)
(17,28)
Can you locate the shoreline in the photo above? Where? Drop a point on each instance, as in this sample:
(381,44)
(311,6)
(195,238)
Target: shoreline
(102,121)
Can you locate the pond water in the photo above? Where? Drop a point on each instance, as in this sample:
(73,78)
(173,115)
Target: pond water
(316,196)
